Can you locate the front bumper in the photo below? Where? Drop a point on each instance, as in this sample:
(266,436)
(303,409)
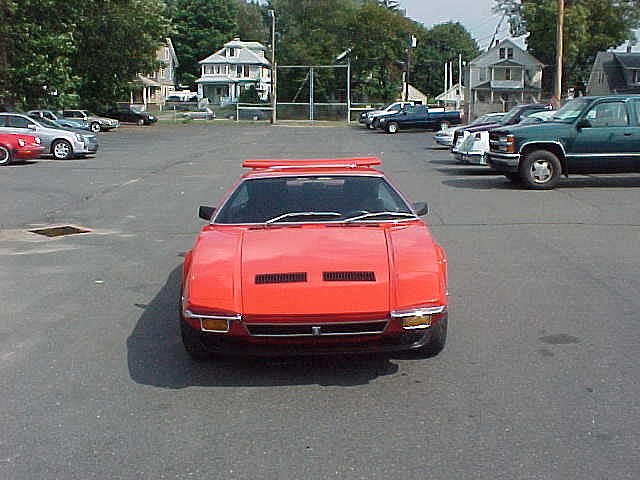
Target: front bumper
(504,162)
(28,153)
(396,341)
(87,147)
(444,141)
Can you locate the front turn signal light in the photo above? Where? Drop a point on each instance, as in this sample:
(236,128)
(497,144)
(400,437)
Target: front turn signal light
(215,325)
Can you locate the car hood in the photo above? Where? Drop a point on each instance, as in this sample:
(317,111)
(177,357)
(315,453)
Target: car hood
(479,128)
(249,271)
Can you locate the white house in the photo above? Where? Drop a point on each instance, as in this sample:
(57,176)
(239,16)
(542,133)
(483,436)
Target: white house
(232,69)
(452,97)
(501,78)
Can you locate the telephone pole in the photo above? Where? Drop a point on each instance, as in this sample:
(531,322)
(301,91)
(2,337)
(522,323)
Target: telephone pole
(559,50)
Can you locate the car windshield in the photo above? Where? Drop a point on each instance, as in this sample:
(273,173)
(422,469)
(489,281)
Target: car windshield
(570,111)
(135,109)
(511,114)
(319,198)
(48,123)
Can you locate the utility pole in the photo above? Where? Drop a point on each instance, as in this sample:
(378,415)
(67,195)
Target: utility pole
(559,50)
(412,44)
(274,70)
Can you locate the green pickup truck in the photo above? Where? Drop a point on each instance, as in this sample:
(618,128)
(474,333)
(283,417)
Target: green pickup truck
(587,135)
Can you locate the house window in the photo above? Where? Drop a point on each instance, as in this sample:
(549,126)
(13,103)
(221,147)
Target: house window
(636,76)
(218,69)
(246,70)
(509,52)
(239,70)
(503,53)
(483,74)
(507,74)
(232,52)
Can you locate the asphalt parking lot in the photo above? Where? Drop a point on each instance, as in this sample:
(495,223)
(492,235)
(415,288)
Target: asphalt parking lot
(539,379)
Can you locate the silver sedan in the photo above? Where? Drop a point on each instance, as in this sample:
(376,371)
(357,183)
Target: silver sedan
(62,143)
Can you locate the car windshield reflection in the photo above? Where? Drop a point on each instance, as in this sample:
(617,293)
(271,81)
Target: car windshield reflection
(305,199)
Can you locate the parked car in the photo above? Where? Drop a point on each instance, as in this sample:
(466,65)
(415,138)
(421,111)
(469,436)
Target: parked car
(280,269)
(62,143)
(252,115)
(587,135)
(538,117)
(131,114)
(512,117)
(57,117)
(417,116)
(95,122)
(204,113)
(22,147)
(444,137)
(475,146)
(368,118)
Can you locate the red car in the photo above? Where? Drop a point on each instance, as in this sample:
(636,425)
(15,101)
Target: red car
(23,147)
(313,257)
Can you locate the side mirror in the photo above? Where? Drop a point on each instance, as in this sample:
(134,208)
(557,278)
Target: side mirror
(421,208)
(205,212)
(584,123)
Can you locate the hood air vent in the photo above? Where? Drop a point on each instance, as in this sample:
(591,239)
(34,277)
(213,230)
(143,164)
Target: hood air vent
(293,277)
(349,276)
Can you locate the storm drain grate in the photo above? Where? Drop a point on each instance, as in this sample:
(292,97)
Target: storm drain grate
(60,231)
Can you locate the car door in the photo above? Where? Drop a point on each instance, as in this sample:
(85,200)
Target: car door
(605,139)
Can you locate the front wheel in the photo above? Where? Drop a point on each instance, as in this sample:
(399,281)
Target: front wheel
(437,341)
(62,150)
(370,126)
(540,170)
(192,343)
(95,127)
(5,155)
(392,127)
(140,122)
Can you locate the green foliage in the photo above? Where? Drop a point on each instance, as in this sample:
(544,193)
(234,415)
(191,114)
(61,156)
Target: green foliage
(118,40)
(590,26)
(253,24)
(250,95)
(443,43)
(201,28)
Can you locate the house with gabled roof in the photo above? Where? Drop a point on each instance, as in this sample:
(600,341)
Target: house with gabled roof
(151,91)
(502,77)
(234,68)
(615,72)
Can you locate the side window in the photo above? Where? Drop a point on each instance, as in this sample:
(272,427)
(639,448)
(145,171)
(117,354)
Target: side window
(636,109)
(18,122)
(608,114)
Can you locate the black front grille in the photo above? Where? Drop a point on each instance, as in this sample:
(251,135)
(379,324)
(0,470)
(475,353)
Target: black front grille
(291,277)
(349,276)
(311,330)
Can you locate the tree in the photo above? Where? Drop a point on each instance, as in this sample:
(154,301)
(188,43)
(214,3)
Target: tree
(201,28)
(443,43)
(252,22)
(590,26)
(118,41)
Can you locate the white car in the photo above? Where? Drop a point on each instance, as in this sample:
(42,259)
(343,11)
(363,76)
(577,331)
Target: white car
(474,146)
(445,136)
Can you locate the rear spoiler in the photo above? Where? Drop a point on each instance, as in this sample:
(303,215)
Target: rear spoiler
(313,163)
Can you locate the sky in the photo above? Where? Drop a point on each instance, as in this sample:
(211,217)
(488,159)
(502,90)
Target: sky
(475,15)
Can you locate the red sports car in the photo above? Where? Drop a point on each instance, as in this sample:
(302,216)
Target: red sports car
(14,146)
(314,256)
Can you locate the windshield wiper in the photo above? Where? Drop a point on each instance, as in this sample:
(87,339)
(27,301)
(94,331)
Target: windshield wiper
(380,214)
(302,214)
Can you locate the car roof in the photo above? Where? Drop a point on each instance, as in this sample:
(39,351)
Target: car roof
(298,167)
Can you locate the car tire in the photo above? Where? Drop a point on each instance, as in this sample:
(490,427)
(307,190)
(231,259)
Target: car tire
(193,343)
(540,170)
(95,127)
(514,177)
(5,156)
(437,340)
(392,127)
(370,126)
(61,150)
(140,122)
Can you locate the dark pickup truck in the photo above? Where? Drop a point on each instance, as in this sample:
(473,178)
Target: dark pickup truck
(587,135)
(417,116)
